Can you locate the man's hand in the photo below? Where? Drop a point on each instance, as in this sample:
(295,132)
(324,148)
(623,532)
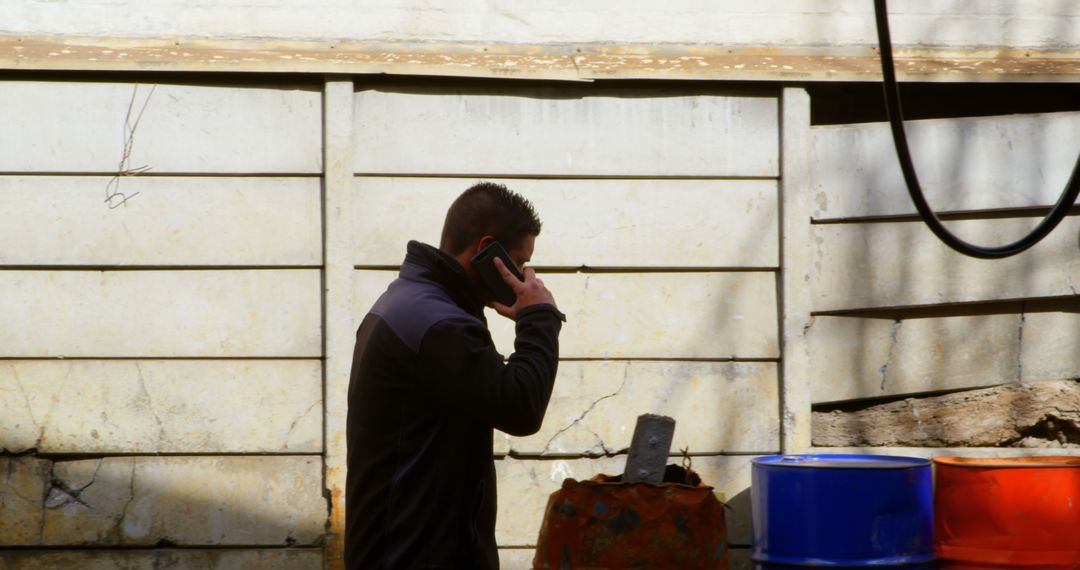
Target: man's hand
(531,291)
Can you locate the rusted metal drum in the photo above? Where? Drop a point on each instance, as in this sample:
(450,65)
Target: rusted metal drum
(842,510)
(1020,512)
(604,523)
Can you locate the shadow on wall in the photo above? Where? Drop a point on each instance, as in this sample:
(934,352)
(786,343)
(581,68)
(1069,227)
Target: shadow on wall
(910,317)
(269,506)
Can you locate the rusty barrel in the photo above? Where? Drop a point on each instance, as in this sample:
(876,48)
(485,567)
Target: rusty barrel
(605,523)
(1021,512)
(842,510)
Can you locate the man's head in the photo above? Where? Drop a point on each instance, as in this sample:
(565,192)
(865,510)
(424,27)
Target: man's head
(488,212)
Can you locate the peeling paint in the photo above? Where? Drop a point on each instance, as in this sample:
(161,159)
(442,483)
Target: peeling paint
(545,61)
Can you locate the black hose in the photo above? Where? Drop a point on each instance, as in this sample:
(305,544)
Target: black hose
(896,121)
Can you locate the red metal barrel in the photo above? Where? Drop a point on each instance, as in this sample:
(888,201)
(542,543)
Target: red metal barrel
(1020,512)
(604,523)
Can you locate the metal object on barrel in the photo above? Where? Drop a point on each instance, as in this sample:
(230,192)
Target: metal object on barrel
(668,519)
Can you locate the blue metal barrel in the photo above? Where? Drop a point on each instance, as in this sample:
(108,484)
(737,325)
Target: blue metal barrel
(842,510)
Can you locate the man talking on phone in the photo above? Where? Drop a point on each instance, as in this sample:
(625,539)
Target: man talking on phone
(428,387)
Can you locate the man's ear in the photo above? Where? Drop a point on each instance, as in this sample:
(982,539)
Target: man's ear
(484,242)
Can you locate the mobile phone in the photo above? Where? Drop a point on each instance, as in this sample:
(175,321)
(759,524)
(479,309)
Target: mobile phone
(484,265)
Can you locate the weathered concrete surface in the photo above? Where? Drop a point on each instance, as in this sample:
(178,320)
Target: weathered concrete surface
(215,559)
(339,309)
(1051,346)
(144,501)
(797,247)
(160,406)
(729,406)
(160,313)
(661,315)
(524,487)
(23,483)
(567,131)
(863,358)
(111,127)
(594,223)
(1045,414)
(66,220)
(627,315)
(512,558)
(994,23)
(856,357)
(963,164)
(902,263)
(586,61)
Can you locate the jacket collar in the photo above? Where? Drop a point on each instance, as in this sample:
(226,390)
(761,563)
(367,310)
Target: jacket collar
(426,263)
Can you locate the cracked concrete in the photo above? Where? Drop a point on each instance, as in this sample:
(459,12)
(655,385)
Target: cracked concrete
(884,369)
(854,358)
(146,401)
(147,501)
(595,405)
(305,415)
(576,421)
(1044,414)
(157,406)
(1020,348)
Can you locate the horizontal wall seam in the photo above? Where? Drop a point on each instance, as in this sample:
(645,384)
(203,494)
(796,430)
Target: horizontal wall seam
(144,358)
(988,214)
(90,455)
(165,174)
(107,267)
(719,359)
(561,456)
(963,308)
(489,176)
(128,548)
(612,269)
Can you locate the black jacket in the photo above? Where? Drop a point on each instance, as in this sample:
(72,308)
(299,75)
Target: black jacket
(427,388)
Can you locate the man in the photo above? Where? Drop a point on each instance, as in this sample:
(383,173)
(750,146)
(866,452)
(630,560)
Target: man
(428,388)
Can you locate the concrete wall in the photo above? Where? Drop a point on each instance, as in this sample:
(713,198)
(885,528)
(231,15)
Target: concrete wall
(184,265)
(161,374)
(798,40)
(1043,24)
(899,313)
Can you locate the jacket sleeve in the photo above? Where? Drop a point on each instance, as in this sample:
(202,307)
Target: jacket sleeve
(459,367)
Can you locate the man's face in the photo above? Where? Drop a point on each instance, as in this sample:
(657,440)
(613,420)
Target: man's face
(522,255)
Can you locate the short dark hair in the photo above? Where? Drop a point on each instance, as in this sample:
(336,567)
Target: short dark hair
(487,208)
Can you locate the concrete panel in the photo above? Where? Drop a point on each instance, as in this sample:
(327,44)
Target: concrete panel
(563,131)
(340,333)
(160,313)
(141,501)
(112,127)
(890,264)
(642,315)
(862,358)
(516,558)
(731,406)
(23,483)
(525,485)
(1051,347)
(797,297)
(835,23)
(963,164)
(595,223)
(155,406)
(135,559)
(60,220)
